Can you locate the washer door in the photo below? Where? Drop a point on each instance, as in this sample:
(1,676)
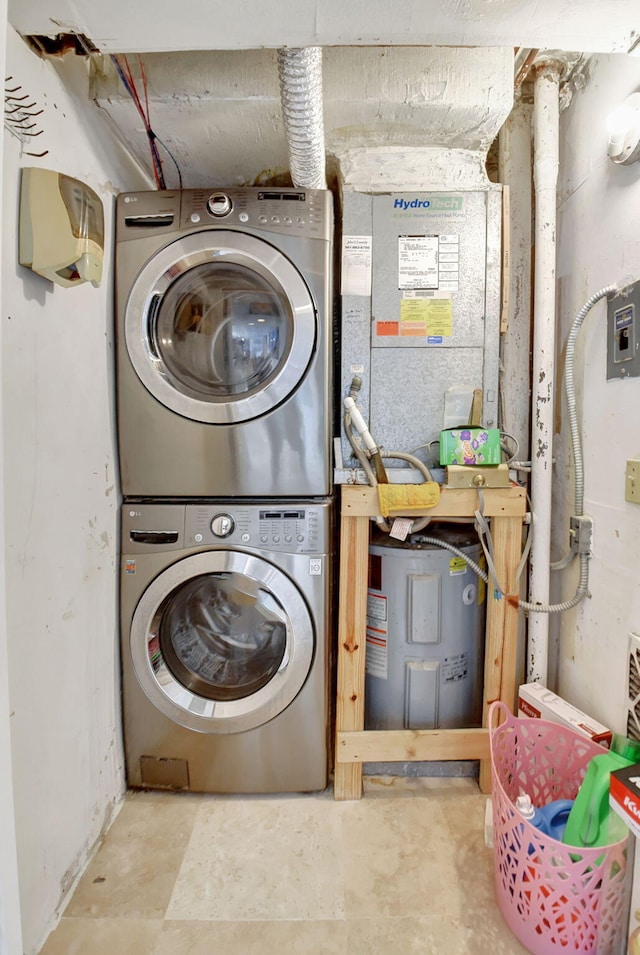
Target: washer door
(220,327)
(221,642)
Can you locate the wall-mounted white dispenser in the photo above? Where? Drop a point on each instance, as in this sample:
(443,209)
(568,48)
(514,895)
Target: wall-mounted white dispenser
(61,228)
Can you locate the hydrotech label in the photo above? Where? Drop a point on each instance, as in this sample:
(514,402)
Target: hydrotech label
(434,203)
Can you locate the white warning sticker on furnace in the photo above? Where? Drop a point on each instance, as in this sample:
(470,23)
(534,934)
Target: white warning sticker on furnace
(417,261)
(455,668)
(356,264)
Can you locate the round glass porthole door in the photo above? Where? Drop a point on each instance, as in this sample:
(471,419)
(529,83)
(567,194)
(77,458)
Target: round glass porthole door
(220,327)
(221,642)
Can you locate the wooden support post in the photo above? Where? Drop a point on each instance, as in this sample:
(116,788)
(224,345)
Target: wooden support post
(502,625)
(352,624)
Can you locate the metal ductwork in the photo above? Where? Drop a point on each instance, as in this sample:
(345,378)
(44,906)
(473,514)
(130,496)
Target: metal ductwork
(300,73)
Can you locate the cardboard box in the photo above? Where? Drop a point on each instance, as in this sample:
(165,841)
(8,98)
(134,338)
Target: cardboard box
(535,700)
(624,795)
(470,446)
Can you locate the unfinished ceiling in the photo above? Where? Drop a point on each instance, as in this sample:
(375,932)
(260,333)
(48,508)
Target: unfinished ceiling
(220,116)
(405,76)
(162,25)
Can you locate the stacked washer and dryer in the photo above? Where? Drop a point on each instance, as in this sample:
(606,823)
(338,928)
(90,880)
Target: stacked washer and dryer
(224,403)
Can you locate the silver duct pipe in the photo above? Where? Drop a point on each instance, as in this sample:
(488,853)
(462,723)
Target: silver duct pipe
(300,73)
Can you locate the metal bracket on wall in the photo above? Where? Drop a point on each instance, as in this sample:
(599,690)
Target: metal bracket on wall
(20,111)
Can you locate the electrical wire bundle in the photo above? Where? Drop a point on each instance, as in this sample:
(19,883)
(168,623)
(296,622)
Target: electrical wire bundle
(125,73)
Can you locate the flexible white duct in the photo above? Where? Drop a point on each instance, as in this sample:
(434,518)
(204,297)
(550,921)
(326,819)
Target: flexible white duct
(300,73)
(546,120)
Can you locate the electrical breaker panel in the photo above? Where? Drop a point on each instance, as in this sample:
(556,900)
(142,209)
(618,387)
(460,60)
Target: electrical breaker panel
(623,341)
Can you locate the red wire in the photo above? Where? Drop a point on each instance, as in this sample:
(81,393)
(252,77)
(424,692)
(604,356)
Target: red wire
(156,154)
(155,158)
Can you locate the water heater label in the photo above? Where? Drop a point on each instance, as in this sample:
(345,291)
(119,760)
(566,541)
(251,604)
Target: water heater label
(377,655)
(455,668)
(376,659)
(457,565)
(376,606)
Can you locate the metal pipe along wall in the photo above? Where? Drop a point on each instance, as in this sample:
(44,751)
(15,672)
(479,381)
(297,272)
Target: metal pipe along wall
(546,118)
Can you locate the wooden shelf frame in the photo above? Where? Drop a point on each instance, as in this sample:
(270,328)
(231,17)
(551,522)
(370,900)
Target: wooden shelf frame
(506,507)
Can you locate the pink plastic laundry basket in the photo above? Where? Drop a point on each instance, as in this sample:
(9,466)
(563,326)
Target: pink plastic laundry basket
(553,898)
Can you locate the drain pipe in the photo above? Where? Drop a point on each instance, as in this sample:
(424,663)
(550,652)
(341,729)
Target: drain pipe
(546,133)
(300,73)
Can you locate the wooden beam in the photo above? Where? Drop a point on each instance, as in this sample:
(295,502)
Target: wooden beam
(361,501)
(502,625)
(411,745)
(352,627)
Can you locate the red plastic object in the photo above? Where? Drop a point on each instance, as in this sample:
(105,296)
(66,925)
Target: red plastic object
(553,897)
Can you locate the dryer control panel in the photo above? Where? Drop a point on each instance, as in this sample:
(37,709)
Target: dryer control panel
(293,528)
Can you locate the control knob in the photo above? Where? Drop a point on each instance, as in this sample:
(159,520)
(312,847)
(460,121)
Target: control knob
(219,204)
(222,525)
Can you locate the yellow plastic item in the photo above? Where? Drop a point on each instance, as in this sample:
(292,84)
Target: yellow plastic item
(61,228)
(405,498)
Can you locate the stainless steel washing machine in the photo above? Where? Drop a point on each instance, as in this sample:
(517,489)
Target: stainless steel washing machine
(226,629)
(224,342)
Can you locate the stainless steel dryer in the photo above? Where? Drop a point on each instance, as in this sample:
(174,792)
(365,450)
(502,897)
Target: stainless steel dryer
(223,311)
(226,625)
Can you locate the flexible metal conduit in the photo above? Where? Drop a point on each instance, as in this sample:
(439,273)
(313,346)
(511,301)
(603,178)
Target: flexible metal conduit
(578,465)
(571,394)
(300,73)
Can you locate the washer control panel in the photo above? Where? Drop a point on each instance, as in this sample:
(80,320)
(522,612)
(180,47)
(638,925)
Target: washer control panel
(292,529)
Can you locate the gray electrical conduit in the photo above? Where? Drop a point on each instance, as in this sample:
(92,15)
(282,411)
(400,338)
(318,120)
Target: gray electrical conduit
(583,581)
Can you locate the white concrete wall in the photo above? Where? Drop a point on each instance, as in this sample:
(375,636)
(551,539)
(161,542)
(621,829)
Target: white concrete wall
(10,925)
(60,512)
(220,115)
(599,244)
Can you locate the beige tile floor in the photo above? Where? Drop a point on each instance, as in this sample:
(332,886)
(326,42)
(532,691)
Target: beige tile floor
(404,870)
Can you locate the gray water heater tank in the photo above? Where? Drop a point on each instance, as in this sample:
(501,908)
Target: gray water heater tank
(425,632)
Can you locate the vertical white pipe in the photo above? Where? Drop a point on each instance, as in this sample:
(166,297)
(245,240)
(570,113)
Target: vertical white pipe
(546,133)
